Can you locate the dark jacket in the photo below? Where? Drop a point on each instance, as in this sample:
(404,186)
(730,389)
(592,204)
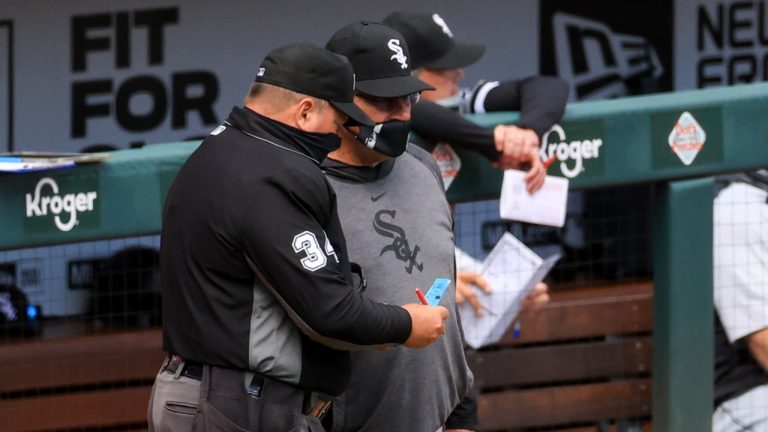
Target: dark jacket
(254,262)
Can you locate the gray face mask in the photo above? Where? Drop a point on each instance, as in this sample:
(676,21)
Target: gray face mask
(452,102)
(388,138)
(458,102)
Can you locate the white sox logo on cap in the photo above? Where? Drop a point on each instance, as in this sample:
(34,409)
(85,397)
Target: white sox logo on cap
(394,45)
(441,22)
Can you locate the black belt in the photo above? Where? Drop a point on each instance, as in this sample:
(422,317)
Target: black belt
(311,406)
(189,369)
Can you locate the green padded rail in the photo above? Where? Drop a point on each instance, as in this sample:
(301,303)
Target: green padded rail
(633,139)
(619,142)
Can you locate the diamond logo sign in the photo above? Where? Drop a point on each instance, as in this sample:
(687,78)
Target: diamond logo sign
(687,138)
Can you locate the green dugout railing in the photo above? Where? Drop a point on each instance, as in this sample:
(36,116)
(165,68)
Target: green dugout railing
(598,144)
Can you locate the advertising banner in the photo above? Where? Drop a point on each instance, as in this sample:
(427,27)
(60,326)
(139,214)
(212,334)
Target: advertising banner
(126,73)
(607,49)
(720,43)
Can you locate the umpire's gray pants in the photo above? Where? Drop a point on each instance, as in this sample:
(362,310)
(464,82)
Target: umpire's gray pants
(224,400)
(173,402)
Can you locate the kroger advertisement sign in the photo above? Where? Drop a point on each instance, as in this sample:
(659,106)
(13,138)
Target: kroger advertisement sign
(61,204)
(63,207)
(575,151)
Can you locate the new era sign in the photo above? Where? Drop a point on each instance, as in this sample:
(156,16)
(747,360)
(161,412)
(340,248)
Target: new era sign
(607,49)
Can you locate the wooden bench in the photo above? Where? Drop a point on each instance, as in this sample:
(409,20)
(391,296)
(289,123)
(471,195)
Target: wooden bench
(582,359)
(79,383)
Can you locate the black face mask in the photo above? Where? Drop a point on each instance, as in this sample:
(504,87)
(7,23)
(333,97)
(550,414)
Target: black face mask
(388,138)
(327,142)
(315,144)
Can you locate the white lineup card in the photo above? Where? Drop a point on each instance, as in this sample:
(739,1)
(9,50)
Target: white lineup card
(545,207)
(513,271)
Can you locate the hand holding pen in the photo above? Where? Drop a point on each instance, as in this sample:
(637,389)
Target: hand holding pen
(427,323)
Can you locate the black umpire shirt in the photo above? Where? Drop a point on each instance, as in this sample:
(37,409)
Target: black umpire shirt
(254,263)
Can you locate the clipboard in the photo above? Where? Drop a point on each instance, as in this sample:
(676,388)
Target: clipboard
(513,271)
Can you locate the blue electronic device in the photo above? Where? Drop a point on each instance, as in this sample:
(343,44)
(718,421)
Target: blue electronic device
(437,290)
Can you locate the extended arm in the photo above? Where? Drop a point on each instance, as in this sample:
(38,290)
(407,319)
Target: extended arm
(758,346)
(302,260)
(440,124)
(541,100)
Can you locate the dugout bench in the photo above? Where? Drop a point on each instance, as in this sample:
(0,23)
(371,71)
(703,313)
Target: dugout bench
(581,363)
(94,382)
(583,358)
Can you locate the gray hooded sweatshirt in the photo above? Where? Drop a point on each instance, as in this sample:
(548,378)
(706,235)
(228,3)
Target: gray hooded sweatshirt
(399,228)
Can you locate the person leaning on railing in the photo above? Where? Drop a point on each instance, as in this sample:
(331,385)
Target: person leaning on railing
(438,59)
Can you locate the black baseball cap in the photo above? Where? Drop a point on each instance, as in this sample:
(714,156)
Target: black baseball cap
(380,58)
(314,71)
(431,41)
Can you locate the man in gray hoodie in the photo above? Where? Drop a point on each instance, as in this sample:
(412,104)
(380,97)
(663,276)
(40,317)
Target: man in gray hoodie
(394,213)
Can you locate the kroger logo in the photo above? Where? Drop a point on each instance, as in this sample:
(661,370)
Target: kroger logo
(40,204)
(576,151)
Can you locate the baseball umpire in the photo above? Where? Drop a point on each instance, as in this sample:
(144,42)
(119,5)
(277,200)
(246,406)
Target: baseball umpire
(259,305)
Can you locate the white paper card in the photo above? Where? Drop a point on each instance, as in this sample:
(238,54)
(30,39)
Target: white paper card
(545,207)
(512,270)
